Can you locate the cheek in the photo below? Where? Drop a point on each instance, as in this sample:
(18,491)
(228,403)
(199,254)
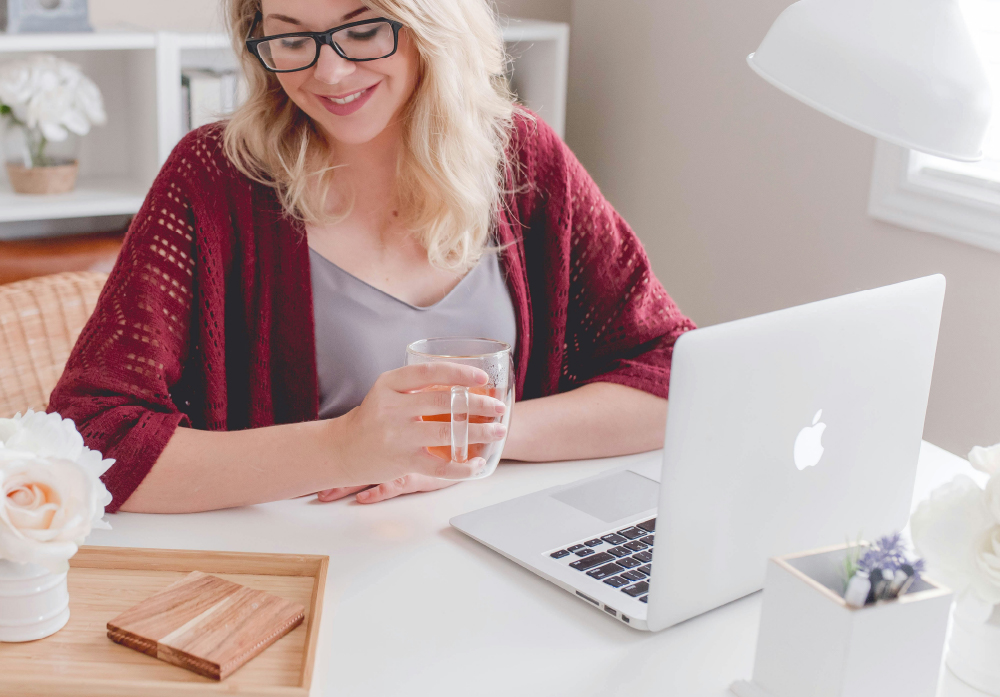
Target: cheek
(292,84)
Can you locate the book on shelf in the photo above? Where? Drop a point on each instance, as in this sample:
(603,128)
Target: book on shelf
(208,95)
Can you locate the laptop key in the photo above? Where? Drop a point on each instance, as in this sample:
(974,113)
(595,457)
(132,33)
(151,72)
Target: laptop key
(641,588)
(648,539)
(644,599)
(620,551)
(627,562)
(605,571)
(560,554)
(633,575)
(631,533)
(594,543)
(635,546)
(644,556)
(592,560)
(574,548)
(616,582)
(585,552)
(646,569)
(648,526)
(614,539)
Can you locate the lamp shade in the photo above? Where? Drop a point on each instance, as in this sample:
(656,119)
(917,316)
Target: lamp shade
(905,71)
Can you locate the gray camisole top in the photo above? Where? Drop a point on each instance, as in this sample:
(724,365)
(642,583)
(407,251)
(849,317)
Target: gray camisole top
(361,331)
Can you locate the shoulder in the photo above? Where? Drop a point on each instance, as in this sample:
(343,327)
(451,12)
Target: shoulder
(199,160)
(534,143)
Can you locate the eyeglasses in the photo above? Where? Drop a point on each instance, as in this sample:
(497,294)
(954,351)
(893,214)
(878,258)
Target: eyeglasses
(367,40)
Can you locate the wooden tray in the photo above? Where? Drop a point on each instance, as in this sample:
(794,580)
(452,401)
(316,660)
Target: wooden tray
(81,661)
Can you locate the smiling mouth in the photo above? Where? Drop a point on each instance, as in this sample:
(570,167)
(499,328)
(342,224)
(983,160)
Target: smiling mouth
(348,98)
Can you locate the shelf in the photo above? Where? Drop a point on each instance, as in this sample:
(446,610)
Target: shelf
(518,30)
(78,41)
(93,196)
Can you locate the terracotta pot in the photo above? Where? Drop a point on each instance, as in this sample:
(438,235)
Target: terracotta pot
(57,179)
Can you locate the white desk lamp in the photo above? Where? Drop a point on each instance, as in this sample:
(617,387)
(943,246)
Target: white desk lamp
(905,71)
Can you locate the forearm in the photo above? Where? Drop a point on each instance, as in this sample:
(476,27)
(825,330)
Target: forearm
(206,470)
(596,420)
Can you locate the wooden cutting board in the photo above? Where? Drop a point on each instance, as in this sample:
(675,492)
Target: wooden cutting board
(206,624)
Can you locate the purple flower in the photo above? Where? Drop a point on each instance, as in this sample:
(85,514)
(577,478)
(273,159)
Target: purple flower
(889,553)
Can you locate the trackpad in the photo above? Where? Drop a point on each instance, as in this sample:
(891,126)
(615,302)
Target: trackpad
(614,497)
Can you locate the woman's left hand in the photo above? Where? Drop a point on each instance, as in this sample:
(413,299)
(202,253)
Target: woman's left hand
(408,484)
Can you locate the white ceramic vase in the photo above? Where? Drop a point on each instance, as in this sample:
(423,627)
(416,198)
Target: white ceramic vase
(973,653)
(34,602)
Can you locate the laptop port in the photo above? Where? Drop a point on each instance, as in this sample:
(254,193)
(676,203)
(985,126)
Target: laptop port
(625,619)
(610,611)
(588,598)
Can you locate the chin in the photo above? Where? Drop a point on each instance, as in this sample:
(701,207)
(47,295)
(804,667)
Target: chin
(351,134)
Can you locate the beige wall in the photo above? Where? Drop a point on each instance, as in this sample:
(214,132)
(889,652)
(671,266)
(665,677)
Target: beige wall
(204,15)
(748,201)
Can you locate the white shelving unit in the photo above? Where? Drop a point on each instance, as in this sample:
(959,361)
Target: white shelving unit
(139,74)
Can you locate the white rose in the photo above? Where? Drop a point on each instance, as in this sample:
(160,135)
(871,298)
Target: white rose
(51,495)
(947,531)
(993,497)
(986,582)
(986,459)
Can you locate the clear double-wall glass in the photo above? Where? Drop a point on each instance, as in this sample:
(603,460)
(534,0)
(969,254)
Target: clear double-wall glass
(493,357)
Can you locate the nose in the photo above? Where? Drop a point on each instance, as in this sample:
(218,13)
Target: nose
(331,68)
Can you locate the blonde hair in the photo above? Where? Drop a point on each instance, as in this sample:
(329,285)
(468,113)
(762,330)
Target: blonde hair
(453,162)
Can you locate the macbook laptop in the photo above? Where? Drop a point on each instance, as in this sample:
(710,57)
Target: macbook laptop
(787,431)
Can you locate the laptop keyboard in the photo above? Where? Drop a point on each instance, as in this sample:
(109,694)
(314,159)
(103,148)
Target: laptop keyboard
(621,558)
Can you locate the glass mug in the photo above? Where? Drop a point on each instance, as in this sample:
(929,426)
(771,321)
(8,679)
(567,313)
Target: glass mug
(493,357)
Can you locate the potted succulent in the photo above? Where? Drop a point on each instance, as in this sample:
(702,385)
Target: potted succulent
(43,100)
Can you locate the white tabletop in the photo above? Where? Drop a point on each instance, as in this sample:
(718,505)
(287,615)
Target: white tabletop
(414,607)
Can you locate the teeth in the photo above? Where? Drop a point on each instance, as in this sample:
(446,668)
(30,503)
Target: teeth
(348,99)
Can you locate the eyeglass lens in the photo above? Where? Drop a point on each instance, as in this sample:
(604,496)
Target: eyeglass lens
(365,41)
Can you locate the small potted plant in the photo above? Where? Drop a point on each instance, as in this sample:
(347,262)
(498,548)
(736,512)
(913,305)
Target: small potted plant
(51,497)
(43,100)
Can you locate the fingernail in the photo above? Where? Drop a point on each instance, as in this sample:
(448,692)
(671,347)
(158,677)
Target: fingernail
(365,494)
(499,430)
(501,407)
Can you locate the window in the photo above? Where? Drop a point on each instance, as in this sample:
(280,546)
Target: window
(955,199)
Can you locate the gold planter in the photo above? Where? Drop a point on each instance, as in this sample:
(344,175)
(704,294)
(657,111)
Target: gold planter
(57,179)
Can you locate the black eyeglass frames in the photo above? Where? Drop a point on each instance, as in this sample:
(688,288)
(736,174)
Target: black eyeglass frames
(367,40)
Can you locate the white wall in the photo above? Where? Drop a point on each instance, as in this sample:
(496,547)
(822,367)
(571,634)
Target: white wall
(748,201)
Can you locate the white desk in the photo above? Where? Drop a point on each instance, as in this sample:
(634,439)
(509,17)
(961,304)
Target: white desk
(414,607)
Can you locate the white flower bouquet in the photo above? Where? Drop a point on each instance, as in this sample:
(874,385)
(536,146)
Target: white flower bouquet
(51,494)
(49,98)
(957,530)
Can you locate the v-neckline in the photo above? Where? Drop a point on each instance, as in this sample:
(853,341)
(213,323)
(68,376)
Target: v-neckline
(420,308)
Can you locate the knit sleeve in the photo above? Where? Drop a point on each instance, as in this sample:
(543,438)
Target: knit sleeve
(119,380)
(620,323)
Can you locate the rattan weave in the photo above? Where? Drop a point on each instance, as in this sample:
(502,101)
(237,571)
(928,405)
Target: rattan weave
(40,319)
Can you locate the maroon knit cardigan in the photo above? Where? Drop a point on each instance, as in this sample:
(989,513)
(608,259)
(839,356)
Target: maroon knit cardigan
(207,321)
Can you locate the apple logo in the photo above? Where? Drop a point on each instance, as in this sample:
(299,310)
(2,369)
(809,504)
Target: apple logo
(808,448)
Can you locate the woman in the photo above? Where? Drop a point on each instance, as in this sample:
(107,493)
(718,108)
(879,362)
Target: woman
(380,165)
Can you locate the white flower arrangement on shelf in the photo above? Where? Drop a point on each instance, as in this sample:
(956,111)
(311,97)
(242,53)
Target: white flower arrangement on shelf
(49,98)
(957,530)
(51,494)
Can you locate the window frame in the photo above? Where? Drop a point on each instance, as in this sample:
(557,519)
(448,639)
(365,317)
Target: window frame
(908,190)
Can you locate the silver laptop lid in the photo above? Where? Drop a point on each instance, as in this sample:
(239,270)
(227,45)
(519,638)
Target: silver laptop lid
(788,431)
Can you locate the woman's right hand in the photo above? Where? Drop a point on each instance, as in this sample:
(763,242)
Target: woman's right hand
(385,438)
